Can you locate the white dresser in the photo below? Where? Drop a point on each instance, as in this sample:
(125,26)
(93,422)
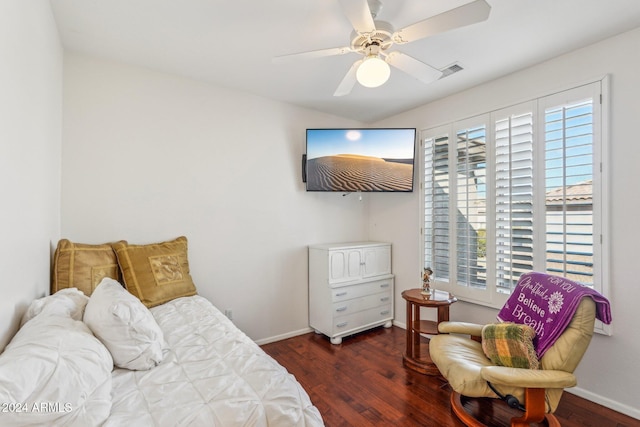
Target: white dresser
(350,288)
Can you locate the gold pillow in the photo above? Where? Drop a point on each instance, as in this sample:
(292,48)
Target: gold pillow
(156,273)
(82,266)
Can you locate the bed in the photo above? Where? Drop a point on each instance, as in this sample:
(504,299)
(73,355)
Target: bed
(111,360)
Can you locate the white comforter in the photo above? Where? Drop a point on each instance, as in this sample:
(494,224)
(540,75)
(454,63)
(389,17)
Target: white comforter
(213,375)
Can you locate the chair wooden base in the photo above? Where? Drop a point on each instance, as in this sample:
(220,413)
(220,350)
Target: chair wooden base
(501,415)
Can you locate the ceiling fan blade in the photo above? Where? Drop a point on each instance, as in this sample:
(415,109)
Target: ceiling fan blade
(421,71)
(359,14)
(312,54)
(349,80)
(470,13)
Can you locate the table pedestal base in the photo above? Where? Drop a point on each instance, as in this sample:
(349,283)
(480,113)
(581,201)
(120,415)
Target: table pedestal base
(426,367)
(416,356)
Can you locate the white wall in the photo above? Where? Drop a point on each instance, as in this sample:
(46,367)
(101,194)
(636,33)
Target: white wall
(148,157)
(609,372)
(30,122)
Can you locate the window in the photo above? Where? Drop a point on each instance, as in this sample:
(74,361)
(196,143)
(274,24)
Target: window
(517,190)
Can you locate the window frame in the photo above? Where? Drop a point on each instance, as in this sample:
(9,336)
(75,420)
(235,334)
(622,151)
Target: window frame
(489,296)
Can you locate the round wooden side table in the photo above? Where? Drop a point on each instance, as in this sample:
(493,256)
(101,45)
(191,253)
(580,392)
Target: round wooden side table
(417,356)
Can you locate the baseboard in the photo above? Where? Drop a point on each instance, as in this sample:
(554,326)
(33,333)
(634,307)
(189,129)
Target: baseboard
(283,336)
(302,332)
(606,402)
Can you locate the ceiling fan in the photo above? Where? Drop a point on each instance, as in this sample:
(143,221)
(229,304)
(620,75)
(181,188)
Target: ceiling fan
(372,39)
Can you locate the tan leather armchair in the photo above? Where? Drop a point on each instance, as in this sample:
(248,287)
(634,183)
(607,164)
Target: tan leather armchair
(464,365)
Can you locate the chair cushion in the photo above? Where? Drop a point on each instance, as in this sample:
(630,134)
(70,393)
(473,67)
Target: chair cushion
(460,360)
(510,344)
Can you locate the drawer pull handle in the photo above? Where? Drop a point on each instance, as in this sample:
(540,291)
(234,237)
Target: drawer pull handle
(384,299)
(384,285)
(341,308)
(341,325)
(341,294)
(384,312)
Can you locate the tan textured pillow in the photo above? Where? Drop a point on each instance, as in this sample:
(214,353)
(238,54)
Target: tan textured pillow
(156,273)
(82,266)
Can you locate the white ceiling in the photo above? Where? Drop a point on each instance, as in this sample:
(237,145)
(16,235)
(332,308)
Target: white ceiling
(231,43)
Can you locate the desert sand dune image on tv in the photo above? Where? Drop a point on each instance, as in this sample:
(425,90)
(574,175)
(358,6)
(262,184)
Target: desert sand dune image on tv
(365,159)
(352,172)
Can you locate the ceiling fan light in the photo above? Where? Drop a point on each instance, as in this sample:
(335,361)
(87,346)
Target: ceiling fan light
(373,72)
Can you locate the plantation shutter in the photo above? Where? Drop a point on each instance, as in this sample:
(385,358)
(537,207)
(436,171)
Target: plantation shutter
(569,152)
(514,182)
(516,190)
(471,204)
(436,205)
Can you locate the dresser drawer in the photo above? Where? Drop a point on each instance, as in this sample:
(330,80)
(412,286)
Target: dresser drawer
(362,318)
(342,308)
(355,291)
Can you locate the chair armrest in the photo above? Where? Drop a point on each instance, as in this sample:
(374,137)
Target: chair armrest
(465,328)
(529,378)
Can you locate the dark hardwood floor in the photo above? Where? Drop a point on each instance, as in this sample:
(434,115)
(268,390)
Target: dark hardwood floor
(362,382)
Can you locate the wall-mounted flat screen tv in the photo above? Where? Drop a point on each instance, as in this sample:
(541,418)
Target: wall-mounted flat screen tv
(367,160)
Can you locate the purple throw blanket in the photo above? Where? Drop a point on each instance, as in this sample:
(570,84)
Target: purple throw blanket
(547,303)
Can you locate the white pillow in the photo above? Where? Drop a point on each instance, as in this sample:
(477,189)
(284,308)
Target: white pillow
(125,326)
(70,302)
(54,372)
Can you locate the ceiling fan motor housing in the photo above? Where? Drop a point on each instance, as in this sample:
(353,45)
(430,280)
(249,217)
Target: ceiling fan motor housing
(382,36)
